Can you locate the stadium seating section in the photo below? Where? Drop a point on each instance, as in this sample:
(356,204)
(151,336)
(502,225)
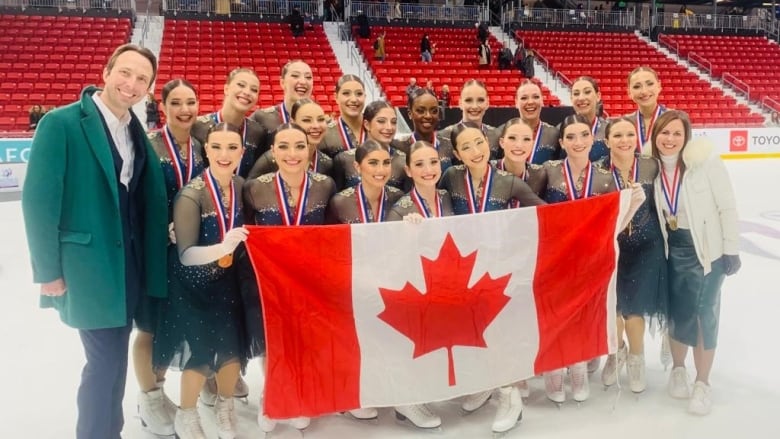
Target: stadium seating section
(454,62)
(610,57)
(48,59)
(752,60)
(50,51)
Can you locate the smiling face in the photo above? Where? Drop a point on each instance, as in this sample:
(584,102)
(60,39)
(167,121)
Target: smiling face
(671,138)
(351,98)
(291,151)
(424,167)
(181,108)
(585,98)
(474,103)
(577,140)
(644,88)
(383,126)
(529,101)
(297,82)
(621,140)
(375,168)
(127,82)
(242,91)
(224,150)
(517,142)
(425,114)
(472,148)
(312,119)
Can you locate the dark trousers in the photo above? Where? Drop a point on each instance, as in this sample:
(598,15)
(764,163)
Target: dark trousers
(102,385)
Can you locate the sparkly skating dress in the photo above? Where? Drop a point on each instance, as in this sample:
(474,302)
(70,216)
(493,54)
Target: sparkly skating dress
(499,190)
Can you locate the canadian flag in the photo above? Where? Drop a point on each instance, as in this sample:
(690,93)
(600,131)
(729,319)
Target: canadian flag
(386,314)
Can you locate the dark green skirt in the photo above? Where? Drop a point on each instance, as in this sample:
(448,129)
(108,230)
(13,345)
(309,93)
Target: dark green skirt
(694,299)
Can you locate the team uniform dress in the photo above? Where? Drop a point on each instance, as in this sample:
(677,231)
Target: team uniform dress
(643,132)
(642,280)
(499,190)
(350,206)
(322,164)
(345,174)
(254,135)
(491,133)
(412,202)
(178,169)
(202,327)
(340,137)
(268,203)
(599,150)
(446,155)
(561,186)
(533,176)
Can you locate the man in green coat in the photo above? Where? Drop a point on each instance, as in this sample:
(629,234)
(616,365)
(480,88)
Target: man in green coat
(95,213)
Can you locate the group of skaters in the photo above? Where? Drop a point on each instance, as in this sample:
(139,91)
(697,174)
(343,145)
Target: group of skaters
(180,197)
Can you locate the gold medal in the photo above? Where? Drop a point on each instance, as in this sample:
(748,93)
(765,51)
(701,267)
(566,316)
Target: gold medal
(672,220)
(225,261)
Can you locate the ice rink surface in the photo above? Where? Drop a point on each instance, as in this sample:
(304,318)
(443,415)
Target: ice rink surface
(42,359)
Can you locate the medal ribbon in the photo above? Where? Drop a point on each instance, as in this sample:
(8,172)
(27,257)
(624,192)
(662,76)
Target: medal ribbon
(595,126)
(634,174)
(487,186)
(314,165)
(537,141)
(225,220)
(420,203)
(179,168)
(283,113)
(346,139)
(640,122)
(364,206)
(671,193)
(569,178)
(281,198)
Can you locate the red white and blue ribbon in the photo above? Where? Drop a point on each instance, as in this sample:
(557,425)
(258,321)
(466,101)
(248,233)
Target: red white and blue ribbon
(283,113)
(671,192)
(314,164)
(537,142)
(225,220)
(435,140)
(182,170)
(346,139)
(422,207)
(487,186)
(595,127)
(501,165)
(289,217)
(642,138)
(571,189)
(364,206)
(634,174)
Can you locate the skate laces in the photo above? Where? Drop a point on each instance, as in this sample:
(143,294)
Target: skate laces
(554,382)
(225,415)
(635,368)
(578,373)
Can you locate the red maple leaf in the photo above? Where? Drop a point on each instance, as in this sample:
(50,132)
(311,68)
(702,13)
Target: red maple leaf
(449,313)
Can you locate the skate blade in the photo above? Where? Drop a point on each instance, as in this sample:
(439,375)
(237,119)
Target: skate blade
(403,420)
(501,434)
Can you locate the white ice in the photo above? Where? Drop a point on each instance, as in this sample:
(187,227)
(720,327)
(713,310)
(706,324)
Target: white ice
(42,359)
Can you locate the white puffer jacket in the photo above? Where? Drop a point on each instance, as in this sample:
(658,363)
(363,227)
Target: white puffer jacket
(709,203)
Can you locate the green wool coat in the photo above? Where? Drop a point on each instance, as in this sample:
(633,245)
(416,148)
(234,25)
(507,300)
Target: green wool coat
(70,204)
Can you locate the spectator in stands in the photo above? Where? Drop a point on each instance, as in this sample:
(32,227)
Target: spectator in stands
(296,22)
(444,100)
(36,113)
(152,112)
(776,118)
(519,59)
(484,55)
(410,89)
(379,46)
(686,13)
(429,87)
(100,249)
(426,49)
(364,29)
(482,32)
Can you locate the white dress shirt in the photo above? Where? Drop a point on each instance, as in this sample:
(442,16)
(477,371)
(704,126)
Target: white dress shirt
(120,133)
